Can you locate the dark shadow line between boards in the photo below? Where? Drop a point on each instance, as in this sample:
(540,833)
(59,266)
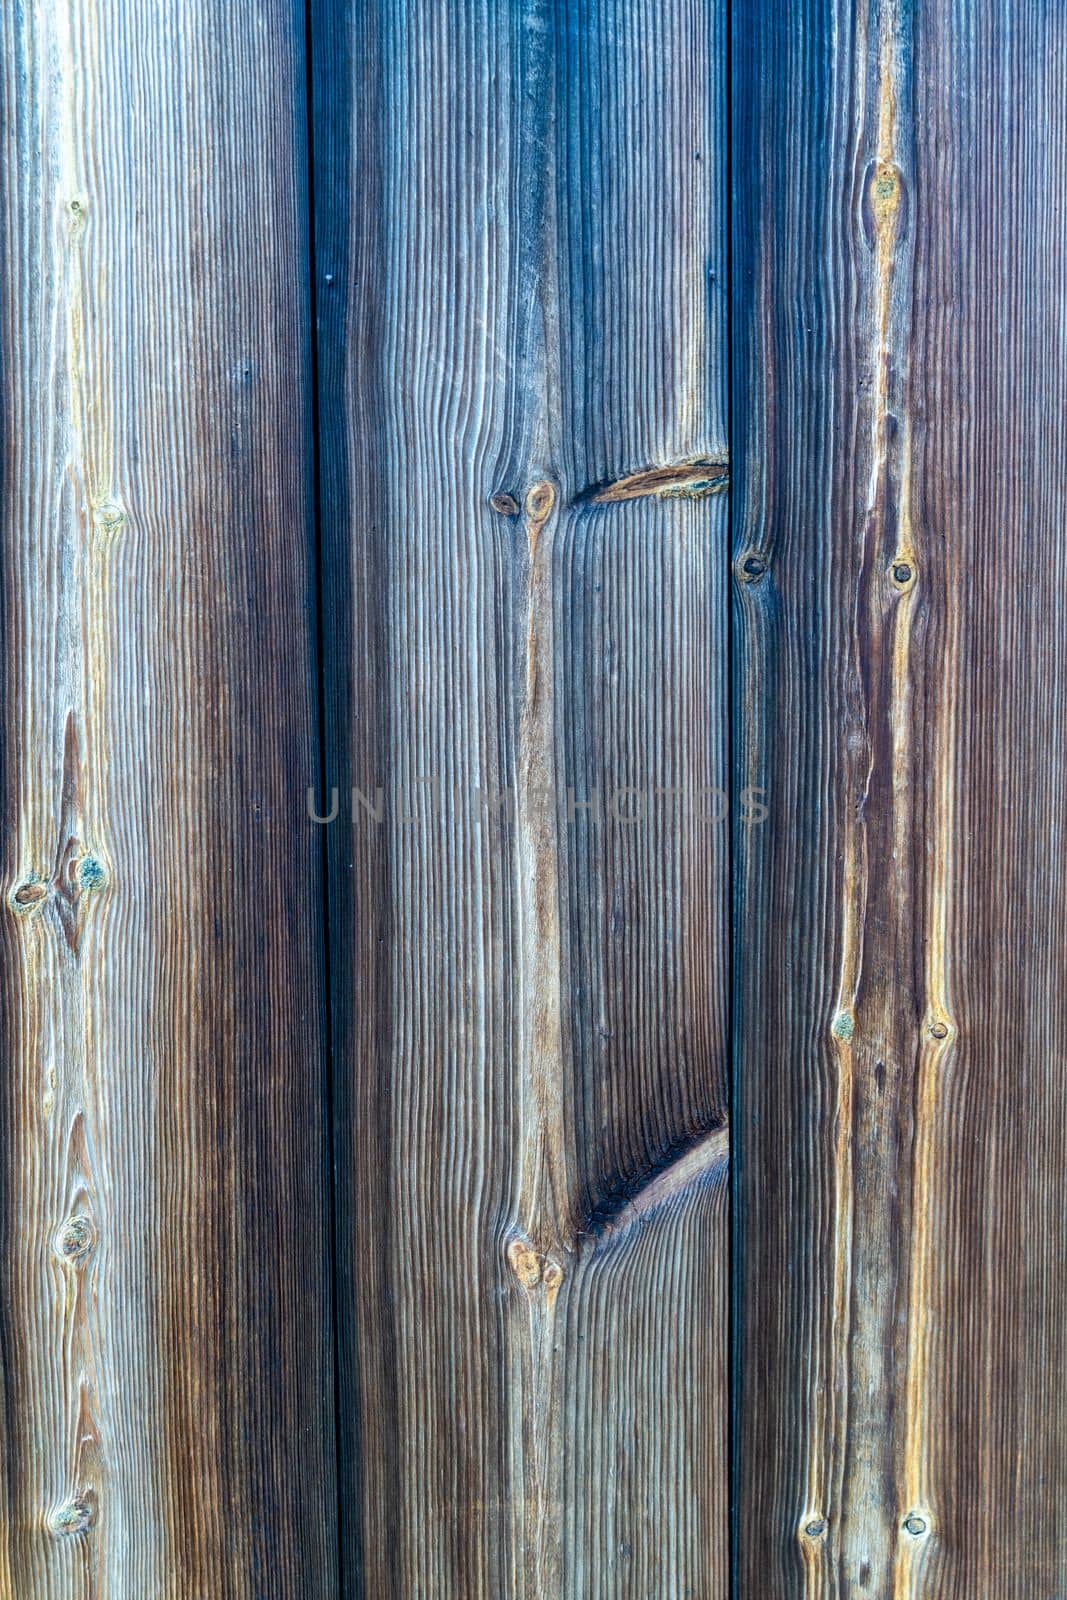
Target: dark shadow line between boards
(318,558)
(732,968)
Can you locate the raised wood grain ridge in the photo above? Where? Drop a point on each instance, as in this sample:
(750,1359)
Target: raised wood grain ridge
(166,1416)
(899,689)
(528,971)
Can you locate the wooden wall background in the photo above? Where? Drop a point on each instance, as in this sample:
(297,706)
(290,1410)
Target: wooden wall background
(609,453)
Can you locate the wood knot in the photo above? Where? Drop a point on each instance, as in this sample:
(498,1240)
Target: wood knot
(109,517)
(78,877)
(843,1026)
(91,874)
(538,508)
(885,190)
(524,1262)
(752,567)
(540,499)
(76,1240)
(75,1516)
(77,216)
(815,1529)
(505,504)
(902,573)
(28,895)
(914,1525)
(552,1278)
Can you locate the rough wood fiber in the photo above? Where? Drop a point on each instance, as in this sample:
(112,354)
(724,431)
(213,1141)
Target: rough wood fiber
(901,1113)
(519,265)
(166,1422)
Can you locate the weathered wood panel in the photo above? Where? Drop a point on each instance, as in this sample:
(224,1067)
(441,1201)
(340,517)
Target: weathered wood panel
(899,255)
(520,258)
(167,1425)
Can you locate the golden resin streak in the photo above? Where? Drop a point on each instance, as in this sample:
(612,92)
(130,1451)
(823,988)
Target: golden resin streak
(938,1032)
(909,1548)
(902,583)
(543,1183)
(543,1188)
(827,1489)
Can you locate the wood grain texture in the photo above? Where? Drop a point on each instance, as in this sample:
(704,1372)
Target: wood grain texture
(166,1426)
(519,266)
(899,688)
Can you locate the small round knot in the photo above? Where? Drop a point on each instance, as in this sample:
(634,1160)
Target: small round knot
(77,212)
(843,1026)
(539,501)
(110,517)
(815,1528)
(28,895)
(505,504)
(753,567)
(914,1524)
(552,1276)
(73,1517)
(939,1030)
(885,180)
(76,1240)
(885,191)
(91,873)
(901,573)
(524,1263)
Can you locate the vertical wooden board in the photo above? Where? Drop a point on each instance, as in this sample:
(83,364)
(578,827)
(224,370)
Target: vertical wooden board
(165,1331)
(642,592)
(988,1444)
(645,1484)
(900,1112)
(518,209)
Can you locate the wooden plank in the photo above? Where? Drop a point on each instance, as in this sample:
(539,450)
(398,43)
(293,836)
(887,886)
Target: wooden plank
(520,255)
(899,248)
(165,1334)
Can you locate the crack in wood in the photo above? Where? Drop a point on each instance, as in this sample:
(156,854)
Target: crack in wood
(681,480)
(682,1168)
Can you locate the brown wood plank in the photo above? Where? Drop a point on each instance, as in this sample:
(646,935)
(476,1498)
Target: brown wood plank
(899,251)
(520,284)
(166,1423)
